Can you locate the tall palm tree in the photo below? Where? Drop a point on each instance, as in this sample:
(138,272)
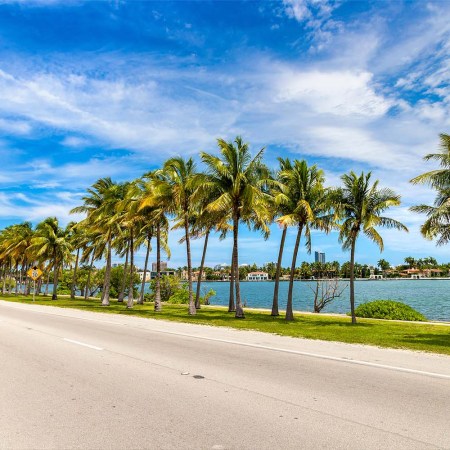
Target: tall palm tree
(280,209)
(239,181)
(305,199)
(174,186)
(100,206)
(359,204)
(155,210)
(53,241)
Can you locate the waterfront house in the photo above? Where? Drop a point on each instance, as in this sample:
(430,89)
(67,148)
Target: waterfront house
(257,276)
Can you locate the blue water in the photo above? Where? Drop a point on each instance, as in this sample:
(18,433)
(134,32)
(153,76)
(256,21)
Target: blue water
(430,297)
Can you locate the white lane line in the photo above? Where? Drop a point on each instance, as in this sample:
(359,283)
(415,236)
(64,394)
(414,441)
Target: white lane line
(83,344)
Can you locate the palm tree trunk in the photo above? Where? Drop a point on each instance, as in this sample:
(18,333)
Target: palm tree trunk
(88,281)
(130,301)
(199,280)
(4,280)
(192,310)
(289,312)
(352,279)
(74,281)
(231,304)
(275,311)
(15,278)
(55,281)
(28,281)
(122,287)
(239,310)
(158,269)
(21,288)
(141,296)
(47,282)
(107,284)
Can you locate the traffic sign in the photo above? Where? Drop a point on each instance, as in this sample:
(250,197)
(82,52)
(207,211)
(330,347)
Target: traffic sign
(34,273)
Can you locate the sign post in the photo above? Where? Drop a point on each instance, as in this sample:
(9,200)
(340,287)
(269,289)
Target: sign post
(34,273)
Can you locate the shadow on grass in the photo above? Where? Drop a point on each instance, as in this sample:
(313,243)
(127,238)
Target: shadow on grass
(428,339)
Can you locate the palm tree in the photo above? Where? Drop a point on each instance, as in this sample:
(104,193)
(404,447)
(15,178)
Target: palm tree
(79,239)
(155,209)
(238,181)
(174,186)
(437,224)
(204,222)
(100,206)
(359,204)
(305,199)
(53,242)
(280,208)
(17,244)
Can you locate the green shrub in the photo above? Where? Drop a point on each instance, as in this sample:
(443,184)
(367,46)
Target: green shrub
(388,309)
(180,297)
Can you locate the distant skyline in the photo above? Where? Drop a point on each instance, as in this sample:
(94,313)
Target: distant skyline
(112,88)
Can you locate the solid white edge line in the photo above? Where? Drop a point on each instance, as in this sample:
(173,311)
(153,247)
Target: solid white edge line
(316,355)
(264,347)
(82,343)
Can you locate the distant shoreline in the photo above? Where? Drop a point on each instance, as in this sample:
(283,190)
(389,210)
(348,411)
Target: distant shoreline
(339,279)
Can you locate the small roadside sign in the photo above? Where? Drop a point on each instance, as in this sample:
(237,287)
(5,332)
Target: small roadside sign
(34,273)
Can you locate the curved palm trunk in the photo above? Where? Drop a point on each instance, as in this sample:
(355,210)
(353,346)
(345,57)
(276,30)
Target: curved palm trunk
(88,281)
(239,310)
(275,311)
(158,306)
(352,279)
(289,312)
(122,287)
(107,283)
(202,264)
(192,310)
(130,301)
(141,295)
(74,281)
(231,304)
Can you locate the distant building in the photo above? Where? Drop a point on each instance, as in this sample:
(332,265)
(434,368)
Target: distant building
(222,266)
(319,257)
(151,275)
(257,276)
(163,266)
(195,273)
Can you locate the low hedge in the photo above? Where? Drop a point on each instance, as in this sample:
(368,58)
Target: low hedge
(388,309)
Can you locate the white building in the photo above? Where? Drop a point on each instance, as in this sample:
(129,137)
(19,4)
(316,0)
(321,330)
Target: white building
(257,276)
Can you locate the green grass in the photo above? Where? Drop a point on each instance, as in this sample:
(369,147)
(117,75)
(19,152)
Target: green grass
(412,336)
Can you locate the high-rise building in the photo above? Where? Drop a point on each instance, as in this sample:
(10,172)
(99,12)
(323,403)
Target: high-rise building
(319,257)
(163,265)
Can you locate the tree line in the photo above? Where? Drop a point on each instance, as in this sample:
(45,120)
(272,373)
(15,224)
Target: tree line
(234,188)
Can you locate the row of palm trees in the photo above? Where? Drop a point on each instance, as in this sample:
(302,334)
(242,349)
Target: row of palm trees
(234,188)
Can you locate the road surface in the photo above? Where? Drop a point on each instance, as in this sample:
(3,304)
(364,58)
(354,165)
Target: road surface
(75,379)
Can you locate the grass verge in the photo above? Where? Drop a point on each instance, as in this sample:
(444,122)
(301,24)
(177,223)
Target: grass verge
(412,336)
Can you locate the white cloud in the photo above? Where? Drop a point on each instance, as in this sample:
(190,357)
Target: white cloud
(339,93)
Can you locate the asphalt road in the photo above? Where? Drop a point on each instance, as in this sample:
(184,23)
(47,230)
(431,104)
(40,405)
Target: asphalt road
(73,379)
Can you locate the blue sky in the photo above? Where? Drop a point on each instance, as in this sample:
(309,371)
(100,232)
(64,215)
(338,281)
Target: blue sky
(112,88)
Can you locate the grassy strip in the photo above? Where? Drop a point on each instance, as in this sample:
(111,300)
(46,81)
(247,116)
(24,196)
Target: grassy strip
(412,336)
